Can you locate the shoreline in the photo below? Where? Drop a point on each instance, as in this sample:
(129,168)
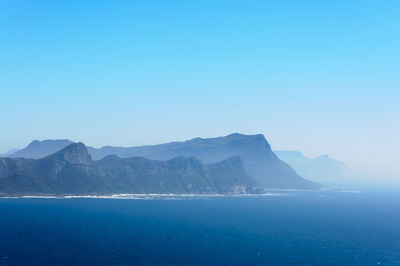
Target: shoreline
(142,196)
(267,193)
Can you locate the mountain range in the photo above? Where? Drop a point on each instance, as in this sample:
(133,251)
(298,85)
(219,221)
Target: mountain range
(72,171)
(253,152)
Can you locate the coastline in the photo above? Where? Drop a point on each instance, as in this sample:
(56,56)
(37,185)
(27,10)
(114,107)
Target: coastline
(142,196)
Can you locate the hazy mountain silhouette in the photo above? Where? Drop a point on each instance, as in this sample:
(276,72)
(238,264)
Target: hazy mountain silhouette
(39,149)
(72,171)
(320,169)
(259,160)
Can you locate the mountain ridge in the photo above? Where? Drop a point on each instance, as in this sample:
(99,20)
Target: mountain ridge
(71,171)
(259,160)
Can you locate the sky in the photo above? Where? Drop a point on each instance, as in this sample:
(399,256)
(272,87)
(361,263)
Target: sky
(321,77)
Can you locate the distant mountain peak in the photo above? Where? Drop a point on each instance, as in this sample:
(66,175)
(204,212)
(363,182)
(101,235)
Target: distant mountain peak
(41,148)
(235,134)
(75,152)
(48,141)
(240,135)
(322,169)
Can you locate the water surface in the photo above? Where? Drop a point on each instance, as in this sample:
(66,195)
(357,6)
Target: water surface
(300,228)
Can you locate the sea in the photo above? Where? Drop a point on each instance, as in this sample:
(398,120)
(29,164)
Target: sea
(332,227)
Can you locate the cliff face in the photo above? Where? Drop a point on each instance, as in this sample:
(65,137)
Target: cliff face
(71,171)
(259,160)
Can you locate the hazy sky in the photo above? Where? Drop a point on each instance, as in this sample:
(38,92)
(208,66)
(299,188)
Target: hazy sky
(314,76)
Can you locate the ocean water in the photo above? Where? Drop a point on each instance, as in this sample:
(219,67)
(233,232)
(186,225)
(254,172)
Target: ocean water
(286,228)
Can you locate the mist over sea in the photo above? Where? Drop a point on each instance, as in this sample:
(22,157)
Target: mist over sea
(343,227)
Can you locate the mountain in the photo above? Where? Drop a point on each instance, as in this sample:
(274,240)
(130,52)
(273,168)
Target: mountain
(39,149)
(259,160)
(320,169)
(72,171)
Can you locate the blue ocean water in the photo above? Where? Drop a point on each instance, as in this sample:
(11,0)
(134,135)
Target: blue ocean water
(299,228)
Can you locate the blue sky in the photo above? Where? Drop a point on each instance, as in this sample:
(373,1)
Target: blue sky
(315,76)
